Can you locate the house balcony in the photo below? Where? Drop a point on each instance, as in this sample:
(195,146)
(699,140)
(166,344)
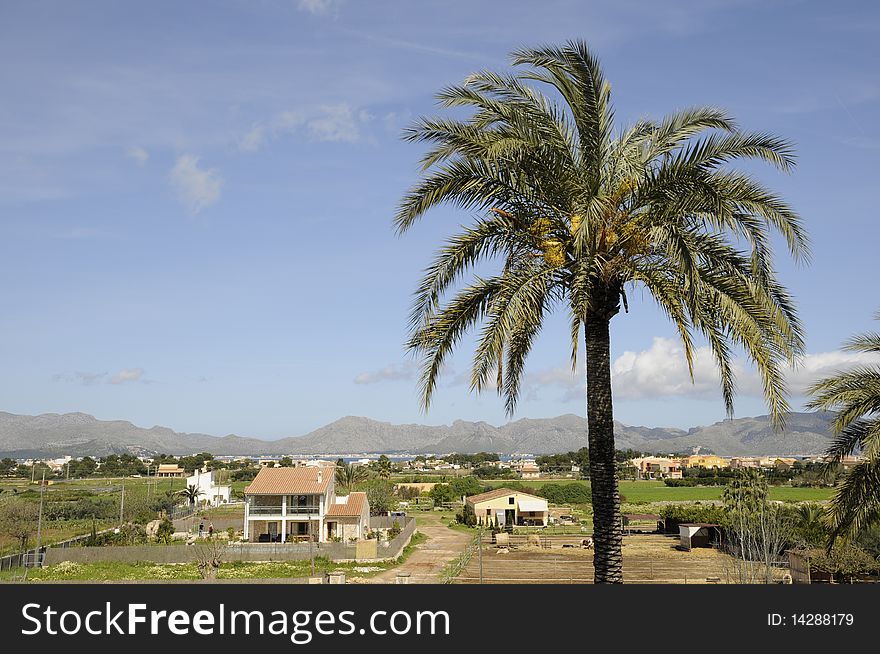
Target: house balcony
(292,511)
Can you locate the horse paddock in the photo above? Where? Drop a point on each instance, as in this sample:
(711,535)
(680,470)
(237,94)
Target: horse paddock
(647,559)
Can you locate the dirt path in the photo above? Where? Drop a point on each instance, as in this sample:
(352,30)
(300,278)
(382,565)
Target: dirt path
(424,565)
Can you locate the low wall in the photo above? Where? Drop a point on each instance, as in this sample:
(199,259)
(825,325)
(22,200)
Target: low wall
(187,553)
(370,550)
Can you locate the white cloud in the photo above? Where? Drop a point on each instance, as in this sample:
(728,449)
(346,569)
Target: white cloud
(337,123)
(661,371)
(393,372)
(254,139)
(128,375)
(137,153)
(318,7)
(197,188)
(331,123)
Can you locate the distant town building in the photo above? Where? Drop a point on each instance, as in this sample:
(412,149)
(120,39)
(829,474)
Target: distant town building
(170,470)
(657,467)
(707,461)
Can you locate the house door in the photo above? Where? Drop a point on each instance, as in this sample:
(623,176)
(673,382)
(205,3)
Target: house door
(273,530)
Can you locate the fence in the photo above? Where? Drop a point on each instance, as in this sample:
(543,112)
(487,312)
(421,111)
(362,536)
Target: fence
(455,568)
(32,558)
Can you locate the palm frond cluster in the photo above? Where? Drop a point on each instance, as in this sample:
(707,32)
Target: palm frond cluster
(577,213)
(855,395)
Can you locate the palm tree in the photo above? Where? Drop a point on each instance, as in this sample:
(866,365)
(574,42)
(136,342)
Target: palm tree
(576,215)
(855,395)
(192,493)
(348,475)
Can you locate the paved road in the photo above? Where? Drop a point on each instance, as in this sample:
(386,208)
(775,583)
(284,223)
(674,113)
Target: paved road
(424,565)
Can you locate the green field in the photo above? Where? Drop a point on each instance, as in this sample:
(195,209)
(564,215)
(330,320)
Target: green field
(646,492)
(138,492)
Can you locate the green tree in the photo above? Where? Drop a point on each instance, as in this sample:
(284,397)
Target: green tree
(382,466)
(191,493)
(757,530)
(855,395)
(165,530)
(442,493)
(7,467)
(18,519)
(349,475)
(379,495)
(465,486)
(577,215)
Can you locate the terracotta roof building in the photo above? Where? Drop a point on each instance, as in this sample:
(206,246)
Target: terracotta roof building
(296,504)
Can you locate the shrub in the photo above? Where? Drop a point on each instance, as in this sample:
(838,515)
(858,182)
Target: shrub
(165,530)
(572,493)
(675,514)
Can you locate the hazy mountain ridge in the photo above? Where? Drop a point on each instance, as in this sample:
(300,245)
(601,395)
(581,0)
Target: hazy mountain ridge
(80,434)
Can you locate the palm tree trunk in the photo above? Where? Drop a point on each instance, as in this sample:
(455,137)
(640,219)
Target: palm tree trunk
(607,530)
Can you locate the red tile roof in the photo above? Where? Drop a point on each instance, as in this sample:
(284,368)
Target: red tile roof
(282,481)
(351,508)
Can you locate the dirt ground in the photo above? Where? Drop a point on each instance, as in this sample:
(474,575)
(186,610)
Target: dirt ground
(428,560)
(647,559)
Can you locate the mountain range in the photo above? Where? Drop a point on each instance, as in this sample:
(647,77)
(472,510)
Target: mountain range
(80,434)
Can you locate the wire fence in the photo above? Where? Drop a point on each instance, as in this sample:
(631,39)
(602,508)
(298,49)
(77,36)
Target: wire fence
(455,567)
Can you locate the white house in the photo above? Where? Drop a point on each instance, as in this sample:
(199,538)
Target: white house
(212,492)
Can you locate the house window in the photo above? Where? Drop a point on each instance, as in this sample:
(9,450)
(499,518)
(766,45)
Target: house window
(488,511)
(510,500)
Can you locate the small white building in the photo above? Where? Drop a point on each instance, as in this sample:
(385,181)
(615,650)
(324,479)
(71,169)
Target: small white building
(212,492)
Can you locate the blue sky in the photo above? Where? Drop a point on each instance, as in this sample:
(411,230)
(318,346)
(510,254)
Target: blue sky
(196,198)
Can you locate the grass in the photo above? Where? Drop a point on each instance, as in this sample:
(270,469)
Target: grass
(139,491)
(646,492)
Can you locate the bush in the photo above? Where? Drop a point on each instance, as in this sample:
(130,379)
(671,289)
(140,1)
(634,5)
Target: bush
(165,530)
(845,562)
(572,493)
(466,517)
(697,481)
(675,514)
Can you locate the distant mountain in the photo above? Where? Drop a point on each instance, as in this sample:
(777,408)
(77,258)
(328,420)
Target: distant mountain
(80,434)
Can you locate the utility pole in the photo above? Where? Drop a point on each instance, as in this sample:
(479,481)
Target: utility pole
(39,525)
(481,553)
(121,504)
(311,551)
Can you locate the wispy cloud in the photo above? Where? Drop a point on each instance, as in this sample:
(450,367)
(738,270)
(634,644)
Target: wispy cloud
(197,188)
(124,376)
(319,7)
(329,123)
(339,122)
(394,372)
(83,378)
(138,154)
(128,375)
